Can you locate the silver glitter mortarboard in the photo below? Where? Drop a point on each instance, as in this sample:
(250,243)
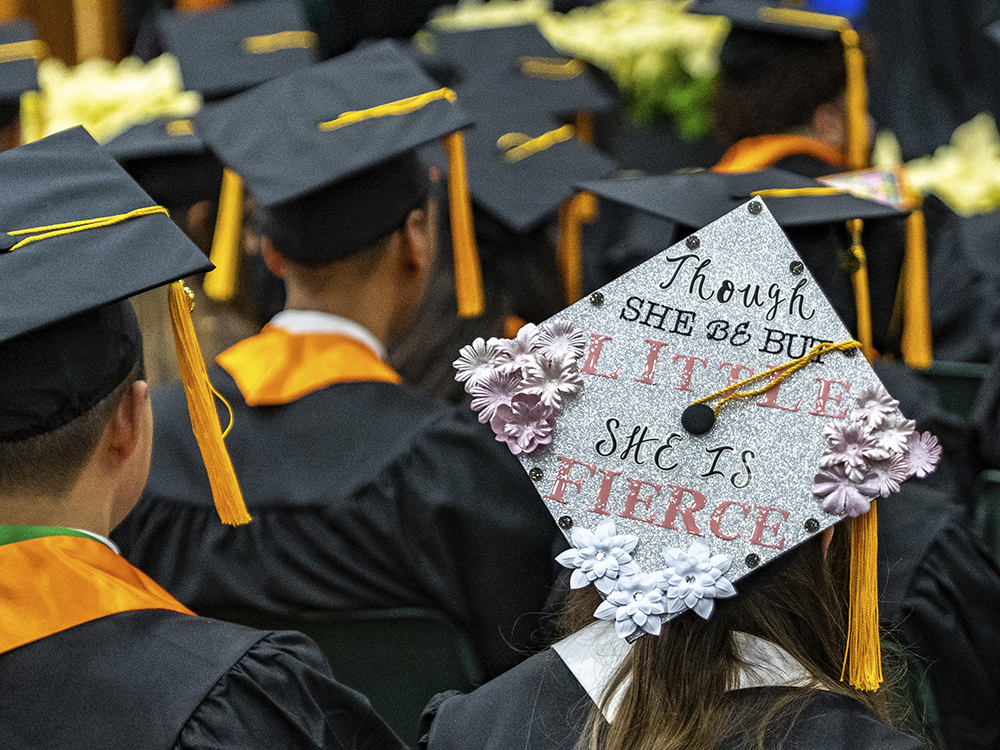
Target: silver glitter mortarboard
(662,519)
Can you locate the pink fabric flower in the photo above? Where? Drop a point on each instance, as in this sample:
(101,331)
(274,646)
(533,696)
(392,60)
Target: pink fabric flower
(550,380)
(516,352)
(525,424)
(923,454)
(840,495)
(889,473)
(494,390)
(873,403)
(560,339)
(476,361)
(892,433)
(850,446)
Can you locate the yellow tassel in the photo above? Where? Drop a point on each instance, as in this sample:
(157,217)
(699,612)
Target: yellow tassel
(468,273)
(204,418)
(512,325)
(862,298)
(220,284)
(32,118)
(917,343)
(584,122)
(580,209)
(857,102)
(863,657)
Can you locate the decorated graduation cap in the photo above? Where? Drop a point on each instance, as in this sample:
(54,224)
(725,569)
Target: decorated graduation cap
(766,34)
(525,168)
(517,66)
(225,50)
(20,51)
(329,153)
(79,237)
(798,204)
(695,419)
(169,161)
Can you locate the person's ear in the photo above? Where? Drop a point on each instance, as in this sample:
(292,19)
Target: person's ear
(827,535)
(418,240)
(828,123)
(199,224)
(124,430)
(273,260)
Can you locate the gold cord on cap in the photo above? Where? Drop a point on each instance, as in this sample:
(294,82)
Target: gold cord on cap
(553,68)
(69,227)
(400,107)
(777,374)
(262,45)
(519,146)
(31,49)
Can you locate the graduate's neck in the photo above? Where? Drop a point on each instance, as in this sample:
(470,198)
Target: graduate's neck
(86,506)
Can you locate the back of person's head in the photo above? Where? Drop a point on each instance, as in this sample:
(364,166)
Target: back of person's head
(678,680)
(772,83)
(62,383)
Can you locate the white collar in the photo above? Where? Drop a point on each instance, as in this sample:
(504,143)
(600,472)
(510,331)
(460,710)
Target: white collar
(102,539)
(595,653)
(313,321)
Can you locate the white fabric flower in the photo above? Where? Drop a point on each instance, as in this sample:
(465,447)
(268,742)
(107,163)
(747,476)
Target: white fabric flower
(560,339)
(636,602)
(694,579)
(476,361)
(599,557)
(550,380)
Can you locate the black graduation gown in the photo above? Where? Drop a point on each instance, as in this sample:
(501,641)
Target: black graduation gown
(939,589)
(364,496)
(153,679)
(539,705)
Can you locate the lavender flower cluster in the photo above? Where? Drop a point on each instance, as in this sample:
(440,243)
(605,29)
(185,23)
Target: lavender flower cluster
(518,385)
(870,454)
(635,600)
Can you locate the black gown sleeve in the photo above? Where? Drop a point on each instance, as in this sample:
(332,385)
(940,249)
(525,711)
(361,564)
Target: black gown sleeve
(281,694)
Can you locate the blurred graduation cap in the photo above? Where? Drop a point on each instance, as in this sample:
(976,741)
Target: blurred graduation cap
(798,204)
(80,237)
(516,68)
(765,34)
(678,349)
(169,161)
(233,48)
(329,153)
(524,169)
(20,51)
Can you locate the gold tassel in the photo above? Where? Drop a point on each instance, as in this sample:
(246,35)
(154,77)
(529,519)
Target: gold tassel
(468,273)
(220,283)
(857,102)
(859,281)
(584,123)
(863,657)
(580,209)
(32,119)
(204,418)
(917,343)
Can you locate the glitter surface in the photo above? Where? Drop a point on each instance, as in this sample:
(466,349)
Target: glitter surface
(672,331)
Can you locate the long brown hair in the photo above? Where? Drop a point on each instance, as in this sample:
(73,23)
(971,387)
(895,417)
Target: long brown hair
(677,682)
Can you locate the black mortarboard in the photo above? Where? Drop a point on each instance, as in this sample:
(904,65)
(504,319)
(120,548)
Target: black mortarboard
(517,66)
(78,237)
(169,161)
(65,344)
(230,49)
(19,52)
(328,151)
(697,199)
(522,169)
